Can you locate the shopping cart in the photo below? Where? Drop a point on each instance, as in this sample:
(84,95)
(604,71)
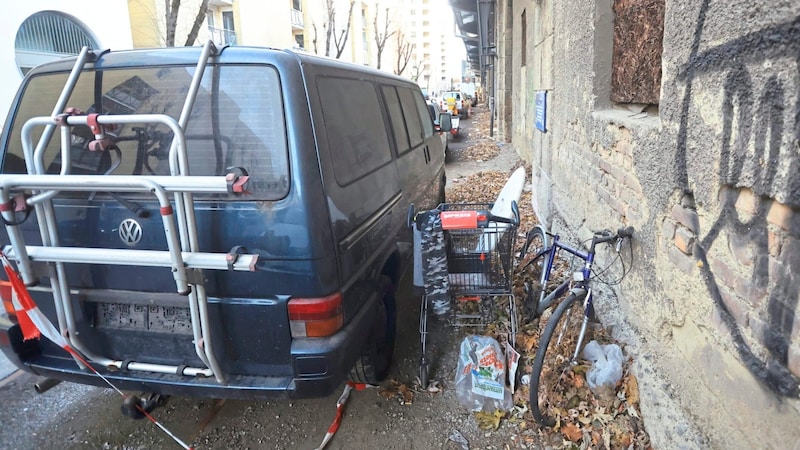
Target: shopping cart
(464,261)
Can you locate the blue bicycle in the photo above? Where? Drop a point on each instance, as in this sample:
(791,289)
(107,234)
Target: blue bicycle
(561,341)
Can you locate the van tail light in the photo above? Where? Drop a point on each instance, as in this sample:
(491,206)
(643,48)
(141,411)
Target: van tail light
(316,317)
(6,294)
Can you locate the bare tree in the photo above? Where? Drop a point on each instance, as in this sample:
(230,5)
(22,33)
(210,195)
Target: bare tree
(404,50)
(381,38)
(171,8)
(340,37)
(417,70)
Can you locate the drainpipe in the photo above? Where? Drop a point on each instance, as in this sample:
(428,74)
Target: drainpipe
(488,52)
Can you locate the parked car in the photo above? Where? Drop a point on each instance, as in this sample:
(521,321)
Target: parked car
(289,249)
(455,102)
(442,123)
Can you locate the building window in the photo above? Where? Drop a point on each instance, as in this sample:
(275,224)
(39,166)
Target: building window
(210,19)
(638,42)
(299,40)
(524,39)
(230,29)
(50,35)
(226,35)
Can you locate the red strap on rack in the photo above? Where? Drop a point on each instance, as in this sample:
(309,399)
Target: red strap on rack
(91,121)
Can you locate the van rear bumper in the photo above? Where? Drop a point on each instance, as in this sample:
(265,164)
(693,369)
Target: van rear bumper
(320,366)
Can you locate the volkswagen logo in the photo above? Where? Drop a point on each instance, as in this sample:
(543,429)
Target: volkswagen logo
(130,232)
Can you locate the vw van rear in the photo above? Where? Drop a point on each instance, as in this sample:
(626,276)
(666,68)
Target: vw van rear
(212,223)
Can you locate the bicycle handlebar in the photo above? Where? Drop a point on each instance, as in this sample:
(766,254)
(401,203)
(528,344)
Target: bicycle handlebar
(606,236)
(625,232)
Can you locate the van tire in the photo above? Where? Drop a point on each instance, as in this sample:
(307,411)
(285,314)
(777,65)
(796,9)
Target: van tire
(373,364)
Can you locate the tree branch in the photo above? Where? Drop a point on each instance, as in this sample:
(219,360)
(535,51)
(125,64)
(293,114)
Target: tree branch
(341,40)
(198,22)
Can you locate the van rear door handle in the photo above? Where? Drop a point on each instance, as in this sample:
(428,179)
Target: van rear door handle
(427,155)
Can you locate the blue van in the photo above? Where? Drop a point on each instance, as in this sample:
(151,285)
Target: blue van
(213,223)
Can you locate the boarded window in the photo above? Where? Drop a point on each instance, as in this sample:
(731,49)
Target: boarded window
(638,40)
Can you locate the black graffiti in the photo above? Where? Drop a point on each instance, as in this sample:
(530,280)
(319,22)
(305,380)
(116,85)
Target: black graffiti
(752,113)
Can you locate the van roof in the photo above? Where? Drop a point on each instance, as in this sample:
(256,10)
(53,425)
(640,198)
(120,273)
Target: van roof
(189,55)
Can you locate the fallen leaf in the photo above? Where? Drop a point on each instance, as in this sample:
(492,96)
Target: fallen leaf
(578,381)
(595,437)
(632,390)
(388,390)
(489,421)
(626,440)
(406,395)
(529,342)
(572,432)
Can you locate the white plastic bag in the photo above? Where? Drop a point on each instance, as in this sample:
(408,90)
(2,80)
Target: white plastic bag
(481,375)
(606,370)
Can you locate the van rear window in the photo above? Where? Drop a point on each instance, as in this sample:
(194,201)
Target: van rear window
(237,121)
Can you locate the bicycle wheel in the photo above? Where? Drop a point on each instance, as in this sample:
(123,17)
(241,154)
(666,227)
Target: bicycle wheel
(532,265)
(552,367)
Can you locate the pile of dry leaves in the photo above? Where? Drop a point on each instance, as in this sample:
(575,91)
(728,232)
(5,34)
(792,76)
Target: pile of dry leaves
(586,421)
(482,147)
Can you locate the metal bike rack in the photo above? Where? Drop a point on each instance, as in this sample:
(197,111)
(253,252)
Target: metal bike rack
(182,258)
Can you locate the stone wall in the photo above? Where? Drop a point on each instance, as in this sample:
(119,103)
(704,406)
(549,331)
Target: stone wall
(710,179)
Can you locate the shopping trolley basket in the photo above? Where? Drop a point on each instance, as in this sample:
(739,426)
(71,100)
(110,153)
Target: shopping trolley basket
(464,261)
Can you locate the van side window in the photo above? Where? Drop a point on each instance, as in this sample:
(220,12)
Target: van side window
(411,114)
(354,126)
(396,118)
(422,107)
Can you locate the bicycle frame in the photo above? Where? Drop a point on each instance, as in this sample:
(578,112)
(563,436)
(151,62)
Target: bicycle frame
(550,254)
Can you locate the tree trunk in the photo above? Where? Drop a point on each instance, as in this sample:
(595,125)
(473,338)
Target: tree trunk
(329,26)
(171,17)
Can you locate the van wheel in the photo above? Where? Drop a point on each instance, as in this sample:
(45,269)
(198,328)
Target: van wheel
(373,365)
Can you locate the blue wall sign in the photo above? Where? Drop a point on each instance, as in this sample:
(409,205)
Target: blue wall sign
(541,110)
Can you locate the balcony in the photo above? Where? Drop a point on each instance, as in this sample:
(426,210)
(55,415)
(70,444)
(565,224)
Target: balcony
(222,36)
(297,19)
(220,3)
